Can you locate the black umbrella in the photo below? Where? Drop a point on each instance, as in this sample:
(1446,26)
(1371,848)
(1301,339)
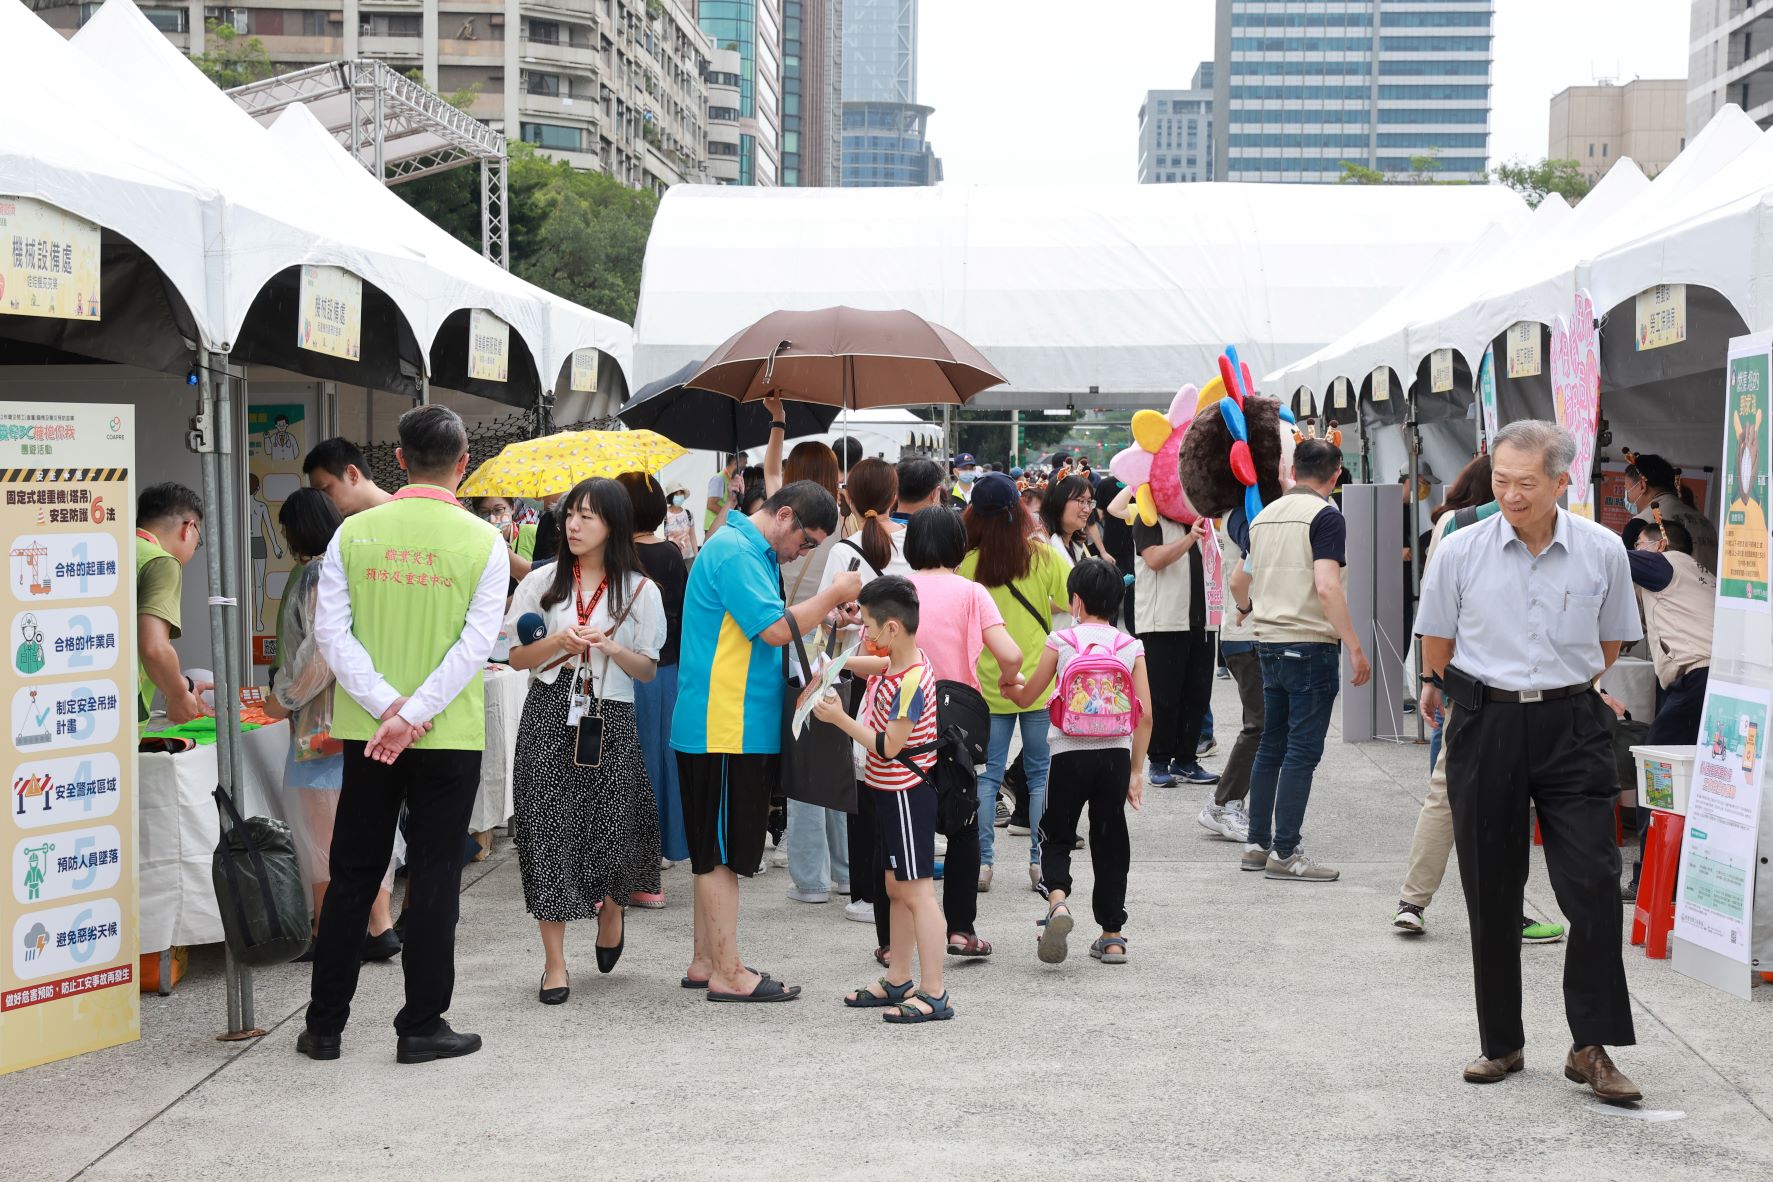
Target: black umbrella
(704,420)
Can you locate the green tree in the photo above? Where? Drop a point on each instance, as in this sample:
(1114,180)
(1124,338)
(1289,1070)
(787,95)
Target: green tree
(1359,174)
(1536,182)
(230,60)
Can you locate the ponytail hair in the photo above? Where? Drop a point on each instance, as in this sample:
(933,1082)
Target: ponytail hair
(872,488)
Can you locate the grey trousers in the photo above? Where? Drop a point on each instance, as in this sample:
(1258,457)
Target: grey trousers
(1234,782)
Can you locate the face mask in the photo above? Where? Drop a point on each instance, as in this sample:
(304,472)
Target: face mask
(678,499)
(875,648)
(968,475)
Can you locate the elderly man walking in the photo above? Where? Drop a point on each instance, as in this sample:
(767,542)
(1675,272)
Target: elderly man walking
(1519,616)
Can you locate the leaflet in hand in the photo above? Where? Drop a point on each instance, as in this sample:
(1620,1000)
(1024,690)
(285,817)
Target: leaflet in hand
(825,673)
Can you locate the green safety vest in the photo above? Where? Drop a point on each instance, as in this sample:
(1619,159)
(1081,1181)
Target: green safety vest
(145,552)
(411,567)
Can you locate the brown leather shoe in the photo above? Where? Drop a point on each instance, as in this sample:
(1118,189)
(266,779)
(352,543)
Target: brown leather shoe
(1591,1066)
(1483,1071)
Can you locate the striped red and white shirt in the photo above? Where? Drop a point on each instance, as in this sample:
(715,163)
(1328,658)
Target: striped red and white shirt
(890,698)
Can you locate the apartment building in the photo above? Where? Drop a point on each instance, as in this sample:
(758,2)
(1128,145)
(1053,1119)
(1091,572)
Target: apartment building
(1176,132)
(1644,119)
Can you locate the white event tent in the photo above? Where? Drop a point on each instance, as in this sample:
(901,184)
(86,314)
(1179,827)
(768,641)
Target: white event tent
(1133,290)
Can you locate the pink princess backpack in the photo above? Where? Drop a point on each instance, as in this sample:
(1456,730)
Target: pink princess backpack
(1095,698)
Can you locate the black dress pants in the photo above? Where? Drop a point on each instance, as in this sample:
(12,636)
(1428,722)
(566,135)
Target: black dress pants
(1180,668)
(438,788)
(1558,755)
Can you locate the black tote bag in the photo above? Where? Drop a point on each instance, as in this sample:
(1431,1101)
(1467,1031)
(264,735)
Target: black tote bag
(816,766)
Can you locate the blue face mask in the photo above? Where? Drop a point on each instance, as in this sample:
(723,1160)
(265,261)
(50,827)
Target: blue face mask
(968,475)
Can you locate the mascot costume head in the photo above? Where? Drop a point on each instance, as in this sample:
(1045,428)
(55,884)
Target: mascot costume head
(1219,448)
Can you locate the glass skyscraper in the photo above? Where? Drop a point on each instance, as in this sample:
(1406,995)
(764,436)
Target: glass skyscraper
(1398,86)
(883,126)
(754,28)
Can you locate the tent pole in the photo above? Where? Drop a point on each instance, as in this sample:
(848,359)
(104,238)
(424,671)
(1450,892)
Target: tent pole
(1411,505)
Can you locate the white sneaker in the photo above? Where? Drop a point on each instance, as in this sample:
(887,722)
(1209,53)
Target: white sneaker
(763,867)
(779,857)
(799,896)
(860,910)
(941,844)
(1219,821)
(840,888)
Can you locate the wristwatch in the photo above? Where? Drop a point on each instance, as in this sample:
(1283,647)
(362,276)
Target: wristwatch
(1246,608)
(779,425)
(1433,679)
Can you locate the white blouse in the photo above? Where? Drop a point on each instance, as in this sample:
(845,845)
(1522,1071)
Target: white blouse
(642,631)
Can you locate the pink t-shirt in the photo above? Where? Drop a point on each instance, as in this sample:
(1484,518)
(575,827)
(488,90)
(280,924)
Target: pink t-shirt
(953,613)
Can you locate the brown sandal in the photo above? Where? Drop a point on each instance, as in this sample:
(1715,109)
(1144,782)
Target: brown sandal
(968,945)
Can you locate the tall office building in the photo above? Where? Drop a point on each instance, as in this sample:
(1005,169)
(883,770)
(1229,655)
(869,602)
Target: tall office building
(885,131)
(1645,119)
(613,86)
(753,28)
(1176,132)
(1301,86)
(812,93)
(1728,61)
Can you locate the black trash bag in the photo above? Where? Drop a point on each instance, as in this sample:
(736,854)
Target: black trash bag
(258,884)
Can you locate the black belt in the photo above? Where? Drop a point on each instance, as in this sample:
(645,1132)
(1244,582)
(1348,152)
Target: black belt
(1550,695)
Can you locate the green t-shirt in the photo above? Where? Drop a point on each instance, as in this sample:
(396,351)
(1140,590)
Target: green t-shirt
(158,589)
(1042,586)
(526,541)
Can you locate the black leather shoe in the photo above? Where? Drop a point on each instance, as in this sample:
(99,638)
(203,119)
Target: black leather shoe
(318,1046)
(607,957)
(382,947)
(444,1044)
(554,997)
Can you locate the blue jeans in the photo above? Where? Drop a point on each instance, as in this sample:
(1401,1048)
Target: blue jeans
(1206,728)
(1034,762)
(653,703)
(1299,684)
(818,846)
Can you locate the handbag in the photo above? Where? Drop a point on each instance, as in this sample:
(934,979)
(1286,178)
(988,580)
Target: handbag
(817,767)
(258,884)
(588,739)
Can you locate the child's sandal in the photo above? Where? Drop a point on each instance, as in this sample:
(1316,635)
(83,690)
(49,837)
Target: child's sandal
(1100,948)
(908,1014)
(863,999)
(1053,931)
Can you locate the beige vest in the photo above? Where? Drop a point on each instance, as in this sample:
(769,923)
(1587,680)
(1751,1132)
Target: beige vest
(1231,560)
(1283,586)
(1161,598)
(1678,619)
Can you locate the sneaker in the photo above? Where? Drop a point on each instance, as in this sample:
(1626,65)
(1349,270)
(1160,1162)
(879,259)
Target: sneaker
(1255,858)
(840,888)
(1222,822)
(650,900)
(1004,812)
(1192,773)
(1629,893)
(764,867)
(779,856)
(860,910)
(800,896)
(1207,747)
(1534,932)
(1298,867)
(1019,827)
(941,844)
(1239,818)
(984,880)
(1408,919)
(1223,674)
(1160,776)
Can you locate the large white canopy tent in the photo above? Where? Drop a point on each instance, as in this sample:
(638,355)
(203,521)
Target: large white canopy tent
(1133,290)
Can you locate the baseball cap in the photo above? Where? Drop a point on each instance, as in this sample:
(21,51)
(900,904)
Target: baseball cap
(1016,473)
(965,460)
(995,491)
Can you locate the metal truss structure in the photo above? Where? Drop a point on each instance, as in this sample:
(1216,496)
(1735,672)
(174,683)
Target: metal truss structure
(395,128)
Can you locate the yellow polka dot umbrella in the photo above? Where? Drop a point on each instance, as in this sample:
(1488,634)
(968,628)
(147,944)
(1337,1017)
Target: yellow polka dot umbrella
(537,468)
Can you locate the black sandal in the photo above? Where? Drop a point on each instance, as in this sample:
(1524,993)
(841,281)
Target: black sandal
(908,1014)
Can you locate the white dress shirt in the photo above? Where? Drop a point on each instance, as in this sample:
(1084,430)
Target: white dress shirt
(1520,622)
(642,629)
(355,669)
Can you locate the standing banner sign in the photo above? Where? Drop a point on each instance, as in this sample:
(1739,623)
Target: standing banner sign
(330,317)
(1487,393)
(1714,903)
(1576,394)
(584,378)
(1662,316)
(1523,349)
(68,912)
(1743,549)
(1440,371)
(489,346)
(49,262)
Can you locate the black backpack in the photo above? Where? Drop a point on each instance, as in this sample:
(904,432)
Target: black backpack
(963,736)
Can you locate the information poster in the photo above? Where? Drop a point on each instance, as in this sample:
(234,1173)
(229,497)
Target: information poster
(1523,349)
(1440,371)
(1339,393)
(1382,384)
(277,436)
(1576,393)
(1743,544)
(49,262)
(1486,389)
(1662,316)
(68,912)
(331,312)
(489,346)
(1715,901)
(584,377)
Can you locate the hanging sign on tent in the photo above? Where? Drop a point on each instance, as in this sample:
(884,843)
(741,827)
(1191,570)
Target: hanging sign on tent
(1714,902)
(1743,549)
(1662,316)
(1487,392)
(1382,384)
(331,312)
(1576,393)
(49,262)
(1440,371)
(489,346)
(68,836)
(1523,349)
(584,379)
(1339,393)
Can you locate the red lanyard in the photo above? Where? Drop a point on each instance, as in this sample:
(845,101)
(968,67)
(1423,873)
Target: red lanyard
(585,609)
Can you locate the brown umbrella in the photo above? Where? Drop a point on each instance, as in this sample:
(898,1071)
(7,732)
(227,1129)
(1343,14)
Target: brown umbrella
(847,357)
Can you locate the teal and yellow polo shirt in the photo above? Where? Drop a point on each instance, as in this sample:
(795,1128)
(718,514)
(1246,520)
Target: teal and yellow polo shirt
(729,683)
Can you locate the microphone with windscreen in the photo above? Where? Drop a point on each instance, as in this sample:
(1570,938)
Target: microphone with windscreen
(531,628)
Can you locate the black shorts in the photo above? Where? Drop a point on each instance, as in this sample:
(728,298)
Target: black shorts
(905,832)
(726,808)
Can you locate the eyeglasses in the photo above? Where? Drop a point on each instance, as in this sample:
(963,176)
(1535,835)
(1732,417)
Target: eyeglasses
(196,528)
(806,543)
(1086,500)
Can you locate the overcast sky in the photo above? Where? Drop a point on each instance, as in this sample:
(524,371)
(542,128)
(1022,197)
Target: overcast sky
(1048,91)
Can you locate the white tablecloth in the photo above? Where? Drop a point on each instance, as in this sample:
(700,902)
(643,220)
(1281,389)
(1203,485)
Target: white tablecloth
(1633,681)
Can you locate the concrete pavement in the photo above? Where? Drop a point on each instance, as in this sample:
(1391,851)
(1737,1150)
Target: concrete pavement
(1262,1030)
